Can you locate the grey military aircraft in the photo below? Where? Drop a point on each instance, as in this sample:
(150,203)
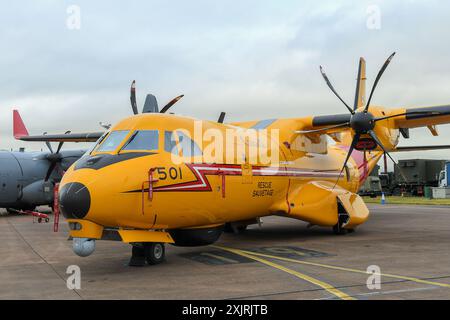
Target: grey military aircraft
(27,178)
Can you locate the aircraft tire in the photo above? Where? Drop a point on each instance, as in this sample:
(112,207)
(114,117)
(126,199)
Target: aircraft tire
(154,252)
(229,229)
(137,256)
(338,230)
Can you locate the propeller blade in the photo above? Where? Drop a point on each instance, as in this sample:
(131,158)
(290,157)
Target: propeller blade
(133,97)
(334,91)
(171,103)
(59,146)
(378,142)
(352,146)
(345,124)
(50,170)
(49,146)
(380,73)
(221,117)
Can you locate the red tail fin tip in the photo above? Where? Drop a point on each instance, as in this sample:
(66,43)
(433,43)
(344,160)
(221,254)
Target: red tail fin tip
(19,129)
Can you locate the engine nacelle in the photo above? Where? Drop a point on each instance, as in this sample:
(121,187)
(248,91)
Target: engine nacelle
(83,246)
(38,192)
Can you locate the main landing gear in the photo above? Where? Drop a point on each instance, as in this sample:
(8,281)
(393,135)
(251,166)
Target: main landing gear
(337,229)
(343,218)
(231,228)
(147,253)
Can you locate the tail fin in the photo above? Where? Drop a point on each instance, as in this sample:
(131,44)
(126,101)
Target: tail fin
(19,129)
(360,94)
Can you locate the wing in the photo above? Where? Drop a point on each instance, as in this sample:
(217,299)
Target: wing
(421,117)
(20,132)
(421,148)
(67,137)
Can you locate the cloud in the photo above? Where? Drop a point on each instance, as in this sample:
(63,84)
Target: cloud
(252,59)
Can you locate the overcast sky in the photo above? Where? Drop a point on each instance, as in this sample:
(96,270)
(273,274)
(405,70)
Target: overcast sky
(253,59)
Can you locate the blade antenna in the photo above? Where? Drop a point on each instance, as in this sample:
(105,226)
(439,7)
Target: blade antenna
(334,91)
(133,97)
(380,73)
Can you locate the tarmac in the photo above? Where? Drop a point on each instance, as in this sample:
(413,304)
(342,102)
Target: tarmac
(406,249)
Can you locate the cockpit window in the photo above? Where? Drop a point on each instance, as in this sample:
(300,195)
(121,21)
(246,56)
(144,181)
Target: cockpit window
(92,148)
(113,140)
(188,147)
(143,140)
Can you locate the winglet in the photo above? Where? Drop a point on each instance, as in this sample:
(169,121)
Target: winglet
(19,129)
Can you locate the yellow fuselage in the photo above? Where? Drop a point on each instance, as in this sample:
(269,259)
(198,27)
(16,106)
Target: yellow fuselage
(194,192)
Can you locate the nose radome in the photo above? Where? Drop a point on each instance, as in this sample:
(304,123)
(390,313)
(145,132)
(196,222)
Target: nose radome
(74,200)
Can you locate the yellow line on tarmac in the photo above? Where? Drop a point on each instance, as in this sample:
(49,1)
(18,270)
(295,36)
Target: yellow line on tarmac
(347,269)
(328,287)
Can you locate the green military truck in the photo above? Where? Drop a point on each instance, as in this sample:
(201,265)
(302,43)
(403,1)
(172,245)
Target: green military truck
(419,173)
(372,185)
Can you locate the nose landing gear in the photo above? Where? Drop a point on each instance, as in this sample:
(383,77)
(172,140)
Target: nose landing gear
(147,253)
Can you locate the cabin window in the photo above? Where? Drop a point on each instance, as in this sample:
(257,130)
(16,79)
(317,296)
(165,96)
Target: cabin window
(310,144)
(113,140)
(170,142)
(143,140)
(188,147)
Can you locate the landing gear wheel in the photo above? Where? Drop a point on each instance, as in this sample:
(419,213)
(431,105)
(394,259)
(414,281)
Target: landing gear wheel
(337,229)
(137,256)
(227,228)
(234,229)
(154,252)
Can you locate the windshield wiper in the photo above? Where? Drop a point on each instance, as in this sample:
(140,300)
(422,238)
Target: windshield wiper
(129,140)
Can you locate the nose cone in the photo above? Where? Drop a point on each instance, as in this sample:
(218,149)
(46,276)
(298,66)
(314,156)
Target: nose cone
(74,200)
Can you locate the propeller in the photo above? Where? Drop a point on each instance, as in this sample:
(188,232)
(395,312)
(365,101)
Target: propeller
(151,104)
(54,158)
(362,122)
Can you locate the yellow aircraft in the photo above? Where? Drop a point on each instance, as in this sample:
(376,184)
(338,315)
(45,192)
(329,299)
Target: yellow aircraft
(157,178)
